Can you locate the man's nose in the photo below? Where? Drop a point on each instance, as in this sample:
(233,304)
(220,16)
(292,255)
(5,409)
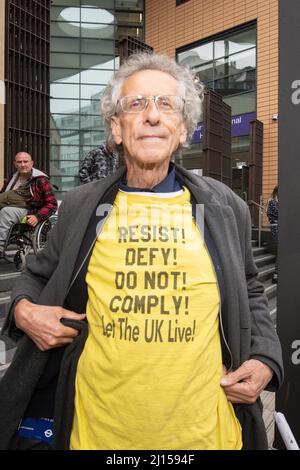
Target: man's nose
(151,112)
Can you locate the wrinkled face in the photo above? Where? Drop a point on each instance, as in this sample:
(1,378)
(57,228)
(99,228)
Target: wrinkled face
(149,137)
(23,163)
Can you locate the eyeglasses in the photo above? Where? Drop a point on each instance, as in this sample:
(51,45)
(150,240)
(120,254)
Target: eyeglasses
(164,103)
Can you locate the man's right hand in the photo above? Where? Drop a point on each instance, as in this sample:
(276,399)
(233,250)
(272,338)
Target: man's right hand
(42,324)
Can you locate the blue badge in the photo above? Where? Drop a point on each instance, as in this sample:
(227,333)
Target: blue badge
(38,429)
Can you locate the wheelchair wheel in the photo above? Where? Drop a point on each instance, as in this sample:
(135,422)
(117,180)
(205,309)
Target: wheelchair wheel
(20,260)
(40,234)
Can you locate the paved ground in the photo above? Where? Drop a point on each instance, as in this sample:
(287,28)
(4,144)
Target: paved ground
(268,399)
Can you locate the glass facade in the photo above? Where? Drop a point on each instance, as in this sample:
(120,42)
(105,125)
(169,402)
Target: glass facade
(84,56)
(227,65)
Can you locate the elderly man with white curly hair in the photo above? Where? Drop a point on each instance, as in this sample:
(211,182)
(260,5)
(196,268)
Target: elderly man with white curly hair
(142,325)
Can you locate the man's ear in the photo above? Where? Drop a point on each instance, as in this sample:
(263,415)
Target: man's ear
(183,134)
(116,129)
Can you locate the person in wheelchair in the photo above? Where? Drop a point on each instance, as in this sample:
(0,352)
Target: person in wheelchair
(28,192)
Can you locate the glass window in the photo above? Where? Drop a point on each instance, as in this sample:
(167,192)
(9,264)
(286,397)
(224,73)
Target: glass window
(64,121)
(209,85)
(89,12)
(67,137)
(66,91)
(235,63)
(96,15)
(69,168)
(92,121)
(88,107)
(244,103)
(107,63)
(68,106)
(98,46)
(65,152)
(235,43)
(205,72)
(127,31)
(92,92)
(64,137)
(235,84)
(130,4)
(124,17)
(240,144)
(96,76)
(197,56)
(84,56)
(64,106)
(64,75)
(67,2)
(93,30)
(88,61)
(94,138)
(64,60)
(64,29)
(99,3)
(226,65)
(192,158)
(65,45)
(65,183)
(65,13)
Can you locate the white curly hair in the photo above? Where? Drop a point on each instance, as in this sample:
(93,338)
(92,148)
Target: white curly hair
(190,88)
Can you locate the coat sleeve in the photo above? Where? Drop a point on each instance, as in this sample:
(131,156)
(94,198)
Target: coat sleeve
(265,345)
(38,271)
(49,202)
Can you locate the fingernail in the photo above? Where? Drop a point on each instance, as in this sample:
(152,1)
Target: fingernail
(223,382)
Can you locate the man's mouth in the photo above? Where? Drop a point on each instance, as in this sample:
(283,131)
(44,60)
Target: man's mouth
(151,136)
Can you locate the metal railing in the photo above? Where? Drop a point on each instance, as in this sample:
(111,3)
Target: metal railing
(261,210)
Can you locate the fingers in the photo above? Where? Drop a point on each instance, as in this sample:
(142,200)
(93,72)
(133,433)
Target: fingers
(246,391)
(242,394)
(239,374)
(32,221)
(68,332)
(43,325)
(63,313)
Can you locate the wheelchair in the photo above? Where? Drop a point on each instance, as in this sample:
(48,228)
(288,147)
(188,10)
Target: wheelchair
(24,239)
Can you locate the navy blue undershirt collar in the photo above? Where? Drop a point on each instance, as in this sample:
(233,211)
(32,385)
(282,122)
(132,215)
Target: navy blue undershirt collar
(168,185)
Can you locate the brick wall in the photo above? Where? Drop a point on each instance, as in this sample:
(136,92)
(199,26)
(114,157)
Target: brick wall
(169,27)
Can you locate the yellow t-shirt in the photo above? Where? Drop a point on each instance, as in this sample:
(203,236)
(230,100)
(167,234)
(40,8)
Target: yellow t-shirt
(149,374)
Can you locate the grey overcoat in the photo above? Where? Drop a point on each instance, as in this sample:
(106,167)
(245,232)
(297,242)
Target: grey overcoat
(247,327)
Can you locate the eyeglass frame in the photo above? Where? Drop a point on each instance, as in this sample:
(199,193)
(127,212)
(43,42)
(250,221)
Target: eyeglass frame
(148,99)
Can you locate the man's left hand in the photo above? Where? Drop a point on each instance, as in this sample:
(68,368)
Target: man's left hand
(32,220)
(246,383)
